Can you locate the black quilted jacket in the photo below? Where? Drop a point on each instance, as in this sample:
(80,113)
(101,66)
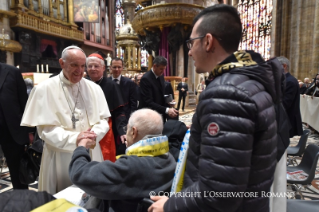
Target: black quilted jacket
(242,156)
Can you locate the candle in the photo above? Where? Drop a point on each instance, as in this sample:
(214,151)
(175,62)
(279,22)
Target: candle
(42,68)
(38,68)
(47,68)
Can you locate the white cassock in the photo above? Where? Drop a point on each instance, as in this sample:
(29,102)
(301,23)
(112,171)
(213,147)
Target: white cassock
(48,108)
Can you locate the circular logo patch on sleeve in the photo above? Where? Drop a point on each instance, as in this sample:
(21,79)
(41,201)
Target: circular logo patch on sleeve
(213,129)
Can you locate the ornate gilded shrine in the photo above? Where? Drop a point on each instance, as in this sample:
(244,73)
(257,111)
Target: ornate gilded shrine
(159,16)
(128,48)
(163,29)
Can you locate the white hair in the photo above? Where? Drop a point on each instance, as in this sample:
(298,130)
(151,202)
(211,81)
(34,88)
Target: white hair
(284,60)
(65,51)
(147,122)
(88,59)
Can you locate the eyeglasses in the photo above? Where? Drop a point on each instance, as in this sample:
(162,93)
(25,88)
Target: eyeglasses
(190,41)
(125,129)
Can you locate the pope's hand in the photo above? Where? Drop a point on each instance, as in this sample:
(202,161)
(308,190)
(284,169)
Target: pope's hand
(158,205)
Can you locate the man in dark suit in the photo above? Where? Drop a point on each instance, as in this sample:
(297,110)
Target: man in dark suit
(152,89)
(13,137)
(128,88)
(182,87)
(291,99)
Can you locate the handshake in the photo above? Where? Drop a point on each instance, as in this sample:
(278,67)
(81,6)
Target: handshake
(86,139)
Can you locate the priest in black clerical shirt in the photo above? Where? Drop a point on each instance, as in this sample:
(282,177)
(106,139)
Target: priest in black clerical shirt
(115,101)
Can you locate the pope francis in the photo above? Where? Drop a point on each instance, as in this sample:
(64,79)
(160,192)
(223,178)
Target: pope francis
(66,109)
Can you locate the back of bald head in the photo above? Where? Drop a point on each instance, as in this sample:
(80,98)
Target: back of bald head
(147,122)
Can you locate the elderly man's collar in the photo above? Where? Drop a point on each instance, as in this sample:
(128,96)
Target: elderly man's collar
(149,145)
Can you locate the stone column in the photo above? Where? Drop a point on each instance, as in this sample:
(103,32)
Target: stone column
(129,57)
(134,56)
(139,58)
(180,62)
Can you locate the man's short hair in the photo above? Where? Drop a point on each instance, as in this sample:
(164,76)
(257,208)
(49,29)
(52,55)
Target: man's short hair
(223,22)
(117,59)
(160,61)
(147,122)
(284,60)
(64,54)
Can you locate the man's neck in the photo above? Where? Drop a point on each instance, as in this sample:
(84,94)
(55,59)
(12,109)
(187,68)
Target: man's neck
(155,74)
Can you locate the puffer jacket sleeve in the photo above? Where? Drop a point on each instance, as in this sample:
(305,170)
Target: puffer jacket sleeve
(224,160)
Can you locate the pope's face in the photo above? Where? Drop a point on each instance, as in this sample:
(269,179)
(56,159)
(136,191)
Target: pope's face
(95,69)
(116,68)
(74,65)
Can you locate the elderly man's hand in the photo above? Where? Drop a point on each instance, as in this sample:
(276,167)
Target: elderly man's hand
(88,134)
(172,112)
(158,205)
(87,143)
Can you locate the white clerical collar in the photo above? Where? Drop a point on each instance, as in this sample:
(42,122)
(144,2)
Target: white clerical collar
(118,78)
(65,80)
(155,74)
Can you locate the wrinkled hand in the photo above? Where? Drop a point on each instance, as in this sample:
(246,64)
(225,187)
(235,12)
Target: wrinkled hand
(87,143)
(123,138)
(172,112)
(88,134)
(158,205)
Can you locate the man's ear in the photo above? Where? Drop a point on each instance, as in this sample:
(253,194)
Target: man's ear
(209,42)
(134,132)
(61,63)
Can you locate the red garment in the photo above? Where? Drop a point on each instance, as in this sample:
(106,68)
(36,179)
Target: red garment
(107,144)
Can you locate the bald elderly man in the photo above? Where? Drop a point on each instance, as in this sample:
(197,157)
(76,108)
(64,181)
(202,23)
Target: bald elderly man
(146,166)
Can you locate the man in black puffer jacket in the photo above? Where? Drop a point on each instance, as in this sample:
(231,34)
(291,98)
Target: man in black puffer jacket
(233,142)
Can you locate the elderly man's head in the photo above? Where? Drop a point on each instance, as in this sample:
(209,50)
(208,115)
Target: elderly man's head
(306,81)
(72,62)
(141,123)
(95,66)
